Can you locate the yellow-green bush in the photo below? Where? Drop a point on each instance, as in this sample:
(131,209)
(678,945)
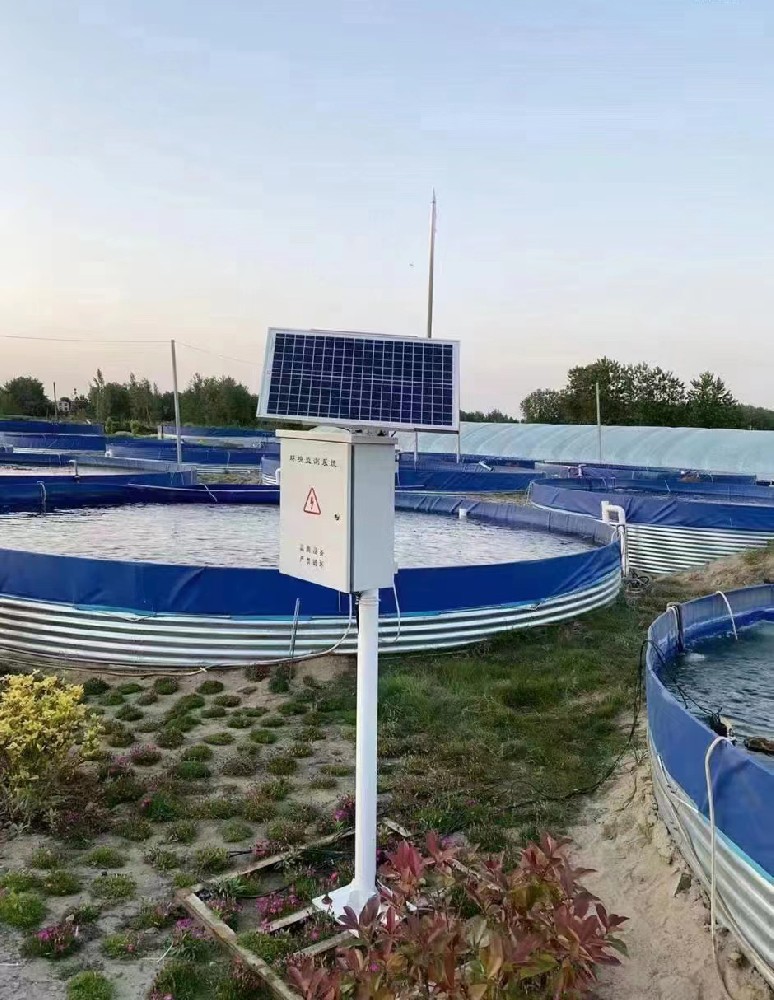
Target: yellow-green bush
(45,734)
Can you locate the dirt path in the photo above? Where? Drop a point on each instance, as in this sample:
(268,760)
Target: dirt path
(637,874)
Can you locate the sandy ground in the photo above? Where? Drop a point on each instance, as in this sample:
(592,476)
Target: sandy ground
(640,875)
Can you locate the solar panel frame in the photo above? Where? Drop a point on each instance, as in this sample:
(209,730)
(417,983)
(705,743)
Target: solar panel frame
(336,377)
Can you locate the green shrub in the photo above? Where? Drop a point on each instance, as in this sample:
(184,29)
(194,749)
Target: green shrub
(228,700)
(133,828)
(281,764)
(279,679)
(148,698)
(128,713)
(124,788)
(258,810)
(120,736)
(286,832)
(90,985)
(239,767)
(145,756)
(179,979)
(170,738)
(263,736)
(293,707)
(223,807)
(257,671)
(312,734)
(199,751)
(210,859)
(61,882)
(184,831)
(161,807)
(213,712)
(256,712)
(161,859)
(22,910)
(272,721)
(124,944)
(166,685)
(302,749)
(55,942)
(338,770)
(191,770)
(238,721)
(219,739)
(131,687)
(112,698)
(185,704)
(270,947)
(152,724)
(20,880)
(301,812)
(210,687)
(277,789)
(46,857)
(323,781)
(113,887)
(105,857)
(235,830)
(94,686)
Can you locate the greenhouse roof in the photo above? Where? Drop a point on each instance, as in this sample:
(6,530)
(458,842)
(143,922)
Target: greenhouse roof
(748,452)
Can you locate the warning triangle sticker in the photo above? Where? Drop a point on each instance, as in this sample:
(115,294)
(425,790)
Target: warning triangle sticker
(312,505)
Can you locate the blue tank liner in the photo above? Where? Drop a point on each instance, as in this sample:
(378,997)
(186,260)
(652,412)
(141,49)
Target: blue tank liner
(55,442)
(239,592)
(743,788)
(192,453)
(438,477)
(753,517)
(147,613)
(35,493)
(194,431)
(48,427)
(212,494)
(748,493)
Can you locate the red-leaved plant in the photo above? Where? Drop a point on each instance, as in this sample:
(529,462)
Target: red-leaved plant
(445,926)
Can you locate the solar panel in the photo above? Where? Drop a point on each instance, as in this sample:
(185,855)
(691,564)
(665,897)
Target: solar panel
(361,380)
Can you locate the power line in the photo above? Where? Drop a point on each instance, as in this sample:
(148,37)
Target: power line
(78,340)
(223,357)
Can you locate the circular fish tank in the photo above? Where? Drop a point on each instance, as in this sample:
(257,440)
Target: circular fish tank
(179,583)
(711,734)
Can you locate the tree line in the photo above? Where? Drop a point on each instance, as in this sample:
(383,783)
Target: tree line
(642,395)
(634,395)
(136,405)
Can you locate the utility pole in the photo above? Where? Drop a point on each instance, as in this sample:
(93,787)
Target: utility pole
(177,409)
(599,426)
(431,270)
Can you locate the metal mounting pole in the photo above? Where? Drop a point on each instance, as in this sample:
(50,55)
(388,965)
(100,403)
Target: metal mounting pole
(177,409)
(363,885)
(431,270)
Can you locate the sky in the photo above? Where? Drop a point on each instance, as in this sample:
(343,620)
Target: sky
(202,171)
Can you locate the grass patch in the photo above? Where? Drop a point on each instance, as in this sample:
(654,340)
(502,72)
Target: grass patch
(210,859)
(161,859)
(131,687)
(148,698)
(160,807)
(145,756)
(60,882)
(239,721)
(228,700)
(128,713)
(272,721)
(235,830)
(133,828)
(210,687)
(170,737)
(105,857)
(282,764)
(337,770)
(21,880)
(22,910)
(111,698)
(114,888)
(213,712)
(166,685)
(184,831)
(124,945)
(323,781)
(191,770)
(286,832)
(179,979)
(94,686)
(239,767)
(90,985)
(263,736)
(258,809)
(46,857)
(276,790)
(220,739)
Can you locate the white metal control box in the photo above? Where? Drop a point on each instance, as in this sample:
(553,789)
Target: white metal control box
(337,508)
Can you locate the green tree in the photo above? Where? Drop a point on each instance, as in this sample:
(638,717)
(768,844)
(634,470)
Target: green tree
(109,400)
(24,396)
(712,404)
(545,406)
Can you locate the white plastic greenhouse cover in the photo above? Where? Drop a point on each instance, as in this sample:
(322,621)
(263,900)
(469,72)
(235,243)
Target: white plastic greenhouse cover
(747,452)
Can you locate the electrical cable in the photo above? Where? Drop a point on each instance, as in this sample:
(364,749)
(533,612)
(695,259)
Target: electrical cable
(223,357)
